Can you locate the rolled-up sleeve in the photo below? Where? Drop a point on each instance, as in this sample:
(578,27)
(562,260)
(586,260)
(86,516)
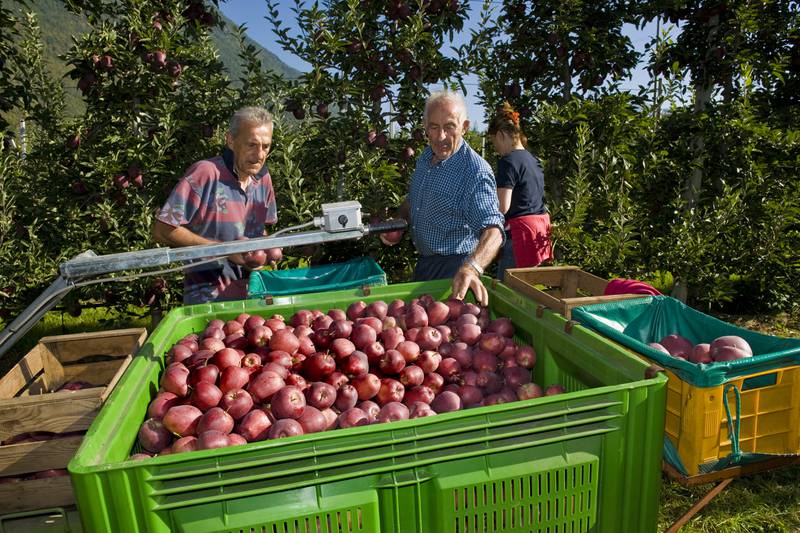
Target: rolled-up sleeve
(481,207)
(181,205)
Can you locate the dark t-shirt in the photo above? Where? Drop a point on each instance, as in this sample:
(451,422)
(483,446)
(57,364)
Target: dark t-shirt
(522,173)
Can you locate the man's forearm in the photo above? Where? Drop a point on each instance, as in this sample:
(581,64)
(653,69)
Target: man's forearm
(177,236)
(489,244)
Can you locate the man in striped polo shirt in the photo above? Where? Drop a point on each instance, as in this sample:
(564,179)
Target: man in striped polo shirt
(222,199)
(452,207)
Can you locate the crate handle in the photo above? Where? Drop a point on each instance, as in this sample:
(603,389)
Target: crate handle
(37,512)
(652,371)
(733,432)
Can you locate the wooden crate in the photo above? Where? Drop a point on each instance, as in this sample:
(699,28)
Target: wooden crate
(561,288)
(28,404)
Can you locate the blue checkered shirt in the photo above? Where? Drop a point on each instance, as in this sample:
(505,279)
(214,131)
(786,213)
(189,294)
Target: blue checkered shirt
(452,202)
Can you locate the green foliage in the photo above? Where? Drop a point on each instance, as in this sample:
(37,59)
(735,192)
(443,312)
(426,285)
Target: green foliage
(370,66)
(697,188)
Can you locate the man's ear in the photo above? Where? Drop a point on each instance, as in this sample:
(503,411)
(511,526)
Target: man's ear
(229,140)
(465,126)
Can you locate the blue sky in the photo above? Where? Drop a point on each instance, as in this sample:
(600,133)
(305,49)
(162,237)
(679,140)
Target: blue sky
(252,13)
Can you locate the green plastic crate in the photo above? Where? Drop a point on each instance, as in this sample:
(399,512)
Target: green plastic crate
(586,460)
(359,272)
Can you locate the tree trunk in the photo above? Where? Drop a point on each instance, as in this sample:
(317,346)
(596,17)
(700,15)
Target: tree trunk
(694,182)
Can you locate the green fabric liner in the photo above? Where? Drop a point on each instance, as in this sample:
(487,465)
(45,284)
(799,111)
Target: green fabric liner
(672,457)
(358,272)
(636,322)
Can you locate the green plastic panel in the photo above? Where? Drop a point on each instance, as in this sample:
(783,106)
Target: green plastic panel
(586,460)
(359,272)
(636,322)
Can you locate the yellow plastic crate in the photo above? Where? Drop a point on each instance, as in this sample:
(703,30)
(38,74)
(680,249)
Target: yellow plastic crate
(697,423)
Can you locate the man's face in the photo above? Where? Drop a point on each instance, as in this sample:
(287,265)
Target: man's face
(250,147)
(444,130)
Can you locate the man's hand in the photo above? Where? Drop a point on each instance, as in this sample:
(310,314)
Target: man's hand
(238,259)
(467,278)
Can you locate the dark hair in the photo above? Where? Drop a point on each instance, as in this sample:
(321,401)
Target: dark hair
(507,121)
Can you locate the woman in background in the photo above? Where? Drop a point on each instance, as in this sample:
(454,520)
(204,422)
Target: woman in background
(520,189)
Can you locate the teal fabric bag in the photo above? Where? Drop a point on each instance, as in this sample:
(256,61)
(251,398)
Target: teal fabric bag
(359,272)
(636,322)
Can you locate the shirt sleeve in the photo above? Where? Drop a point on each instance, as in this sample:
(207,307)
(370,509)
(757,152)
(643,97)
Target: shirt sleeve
(481,207)
(181,205)
(506,174)
(269,200)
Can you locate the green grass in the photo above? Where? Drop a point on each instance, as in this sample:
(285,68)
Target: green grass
(62,323)
(769,501)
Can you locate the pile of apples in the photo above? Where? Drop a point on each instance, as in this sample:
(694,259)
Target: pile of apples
(256,378)
(725,348)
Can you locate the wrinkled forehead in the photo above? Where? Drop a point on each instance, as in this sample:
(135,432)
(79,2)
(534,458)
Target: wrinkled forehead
(443,112)
(253,130)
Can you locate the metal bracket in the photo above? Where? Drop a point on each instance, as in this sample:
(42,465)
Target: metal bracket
(88,265)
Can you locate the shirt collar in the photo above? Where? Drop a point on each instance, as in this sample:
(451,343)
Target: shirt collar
(428,153)
(227,158)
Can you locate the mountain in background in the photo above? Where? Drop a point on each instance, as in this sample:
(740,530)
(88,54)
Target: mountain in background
(58,25)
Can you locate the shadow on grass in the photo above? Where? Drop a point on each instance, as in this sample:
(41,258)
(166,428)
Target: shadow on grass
(769,501)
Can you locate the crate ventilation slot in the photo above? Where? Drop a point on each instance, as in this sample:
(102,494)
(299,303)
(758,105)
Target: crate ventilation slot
(346,521)
(555,501)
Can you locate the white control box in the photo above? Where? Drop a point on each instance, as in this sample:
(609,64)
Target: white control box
(340,216)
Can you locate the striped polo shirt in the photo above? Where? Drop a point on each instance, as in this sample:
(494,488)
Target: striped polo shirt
(452,202)
(210,201)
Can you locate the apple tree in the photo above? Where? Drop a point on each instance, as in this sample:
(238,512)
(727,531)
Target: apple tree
(372,65)
(157,99)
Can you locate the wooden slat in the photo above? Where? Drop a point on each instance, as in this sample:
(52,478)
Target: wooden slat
(588,300)
(68,348)
(570,284)
(29,457)
(731,472)
(550,278)
(572,303)
(535,294)
(53,376)
(95,373)
(66,411)
(36,494)
(23,372)
(123,365)
(590,283)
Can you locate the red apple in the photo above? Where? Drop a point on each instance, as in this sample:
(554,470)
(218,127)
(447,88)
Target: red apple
(286,427)
(254,426)
(288,402)
(153,436)
(182,420)
(237,403)
(215,419)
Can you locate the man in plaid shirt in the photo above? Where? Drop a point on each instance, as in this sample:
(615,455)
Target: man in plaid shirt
(222,199)
(452,207)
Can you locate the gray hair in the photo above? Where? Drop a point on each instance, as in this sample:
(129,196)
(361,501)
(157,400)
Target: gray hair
(447,96)
(255,115)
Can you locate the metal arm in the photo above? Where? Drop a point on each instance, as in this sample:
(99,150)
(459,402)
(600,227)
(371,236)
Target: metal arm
(88,265)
